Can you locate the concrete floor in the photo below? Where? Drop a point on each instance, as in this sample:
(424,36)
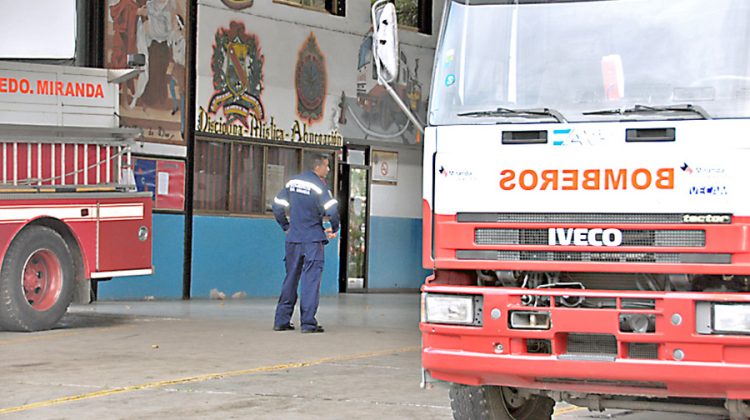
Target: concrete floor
(220,359)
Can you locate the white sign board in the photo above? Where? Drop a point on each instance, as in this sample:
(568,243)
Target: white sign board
(38,94)
(384,166)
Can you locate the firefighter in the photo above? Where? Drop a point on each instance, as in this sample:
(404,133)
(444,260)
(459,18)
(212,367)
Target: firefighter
(307,201)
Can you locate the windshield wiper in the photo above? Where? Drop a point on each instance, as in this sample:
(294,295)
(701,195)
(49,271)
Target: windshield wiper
(648,109)
(522,113)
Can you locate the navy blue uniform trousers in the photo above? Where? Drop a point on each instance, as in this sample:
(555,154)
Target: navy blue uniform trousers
(304,264)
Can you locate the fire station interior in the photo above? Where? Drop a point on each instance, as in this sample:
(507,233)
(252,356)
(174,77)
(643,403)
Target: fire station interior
(143,146)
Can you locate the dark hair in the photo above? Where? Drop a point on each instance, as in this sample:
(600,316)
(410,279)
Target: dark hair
(317,160)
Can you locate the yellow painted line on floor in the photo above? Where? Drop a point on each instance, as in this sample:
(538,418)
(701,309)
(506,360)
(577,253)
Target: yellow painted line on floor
(201,378)
(567,410)
(26,337)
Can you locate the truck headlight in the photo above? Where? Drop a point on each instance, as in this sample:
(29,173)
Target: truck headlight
(451,309)
(731,318)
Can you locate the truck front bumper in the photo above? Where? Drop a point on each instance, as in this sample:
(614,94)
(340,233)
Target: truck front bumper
(585,350)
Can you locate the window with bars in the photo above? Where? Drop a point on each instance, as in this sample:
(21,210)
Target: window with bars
(281,165)
(242,178)
(246,193)
(334,7)
(211,175)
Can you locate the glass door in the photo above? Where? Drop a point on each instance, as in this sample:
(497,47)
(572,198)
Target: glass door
(354,232)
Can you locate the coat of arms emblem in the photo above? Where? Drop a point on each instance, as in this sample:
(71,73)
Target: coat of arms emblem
(238,4)
(237,65)
(310,80)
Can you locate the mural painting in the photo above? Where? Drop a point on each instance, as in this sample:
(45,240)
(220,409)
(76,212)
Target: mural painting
(234,103)
(373,114)
(238,4)
(237,65)
(310,81)
(154,100)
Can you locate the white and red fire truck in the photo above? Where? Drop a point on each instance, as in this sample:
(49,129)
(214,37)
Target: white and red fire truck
(68,212)
(586,205)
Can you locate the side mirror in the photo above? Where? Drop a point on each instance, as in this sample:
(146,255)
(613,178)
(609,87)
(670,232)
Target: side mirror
(385,40)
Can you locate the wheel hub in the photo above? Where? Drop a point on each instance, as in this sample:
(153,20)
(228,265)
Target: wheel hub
(42,279)
(512,398)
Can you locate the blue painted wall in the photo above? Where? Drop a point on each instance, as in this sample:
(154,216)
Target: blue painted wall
(233,254)
(230,254)
(166,282)
(395,263)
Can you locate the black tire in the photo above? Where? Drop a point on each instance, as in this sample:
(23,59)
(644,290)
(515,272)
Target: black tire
(497,403)
(37,252)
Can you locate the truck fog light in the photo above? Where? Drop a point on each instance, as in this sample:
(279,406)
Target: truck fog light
(449,309)
(530,320)
(731,318)
(637,323)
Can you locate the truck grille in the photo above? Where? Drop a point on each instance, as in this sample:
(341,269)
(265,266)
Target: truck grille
(592,347)
(654,238)
(643,351)
(583,218)
(604,347)
(592,344)
(612,257)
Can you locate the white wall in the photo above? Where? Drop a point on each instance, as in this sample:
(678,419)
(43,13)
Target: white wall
(38,29)
(282,30)
(405,198)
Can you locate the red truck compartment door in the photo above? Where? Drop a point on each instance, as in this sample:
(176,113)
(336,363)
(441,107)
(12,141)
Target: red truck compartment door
(124,239)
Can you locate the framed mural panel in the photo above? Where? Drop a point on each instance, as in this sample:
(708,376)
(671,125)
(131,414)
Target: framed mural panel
(384,167)
(155,99)
(164,178)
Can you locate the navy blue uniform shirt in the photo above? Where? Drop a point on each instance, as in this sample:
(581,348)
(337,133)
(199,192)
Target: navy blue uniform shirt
(307,199)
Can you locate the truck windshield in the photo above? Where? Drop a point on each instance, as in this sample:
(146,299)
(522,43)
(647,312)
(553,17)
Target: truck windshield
(590,60)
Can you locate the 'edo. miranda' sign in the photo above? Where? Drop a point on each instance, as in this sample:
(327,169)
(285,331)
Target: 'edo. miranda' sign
(256,129)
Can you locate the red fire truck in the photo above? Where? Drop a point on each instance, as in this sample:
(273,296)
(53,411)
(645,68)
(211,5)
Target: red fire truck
(586,206)
(68,212)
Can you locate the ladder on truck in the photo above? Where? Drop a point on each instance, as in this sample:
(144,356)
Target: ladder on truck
(66,159)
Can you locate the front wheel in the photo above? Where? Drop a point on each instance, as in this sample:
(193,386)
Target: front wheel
(36,280)
(497,403)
